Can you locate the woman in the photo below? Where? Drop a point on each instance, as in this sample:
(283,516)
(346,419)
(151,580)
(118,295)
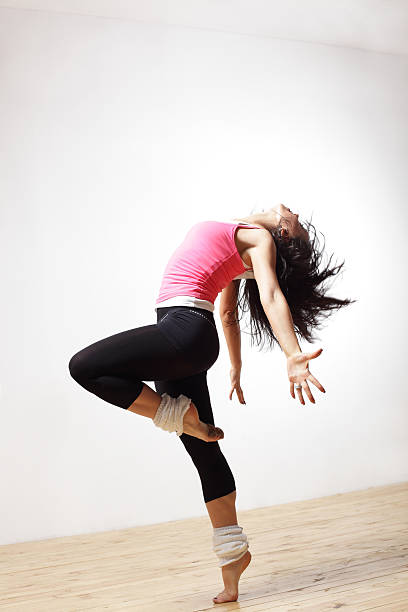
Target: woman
(275,255)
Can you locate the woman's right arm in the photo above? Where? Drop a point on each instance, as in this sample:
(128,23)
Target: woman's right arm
(230,324)
(232,333)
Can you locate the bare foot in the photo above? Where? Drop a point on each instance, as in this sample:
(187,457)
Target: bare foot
(231,574)
(196,428)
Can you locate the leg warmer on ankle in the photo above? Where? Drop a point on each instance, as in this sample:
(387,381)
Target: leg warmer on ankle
(230,543)
(170,413)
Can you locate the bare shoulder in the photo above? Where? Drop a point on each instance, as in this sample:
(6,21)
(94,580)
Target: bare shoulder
(249,237)
(263,235)
(263,246)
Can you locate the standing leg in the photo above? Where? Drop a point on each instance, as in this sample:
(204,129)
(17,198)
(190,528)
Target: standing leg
(222,510)
(218,487)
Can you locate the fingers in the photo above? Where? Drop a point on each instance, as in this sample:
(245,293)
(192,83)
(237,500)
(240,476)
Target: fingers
(241,396)
(300,396)
(306,388)
(239,393)
(314,354)
(316,382)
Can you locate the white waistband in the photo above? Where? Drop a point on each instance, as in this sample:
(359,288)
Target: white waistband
(186,300)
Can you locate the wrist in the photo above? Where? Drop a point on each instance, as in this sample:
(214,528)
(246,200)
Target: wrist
(293,353)
(236,365)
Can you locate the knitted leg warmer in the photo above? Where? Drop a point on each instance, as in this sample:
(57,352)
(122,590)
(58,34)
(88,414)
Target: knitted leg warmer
(230,543)
(170,413)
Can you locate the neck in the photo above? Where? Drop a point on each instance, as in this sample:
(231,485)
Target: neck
(261,219)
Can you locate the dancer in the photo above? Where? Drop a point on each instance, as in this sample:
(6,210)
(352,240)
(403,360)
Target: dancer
(278,259)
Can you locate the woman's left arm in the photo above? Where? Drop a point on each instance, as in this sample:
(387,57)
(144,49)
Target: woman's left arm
(280,318)
(263,258)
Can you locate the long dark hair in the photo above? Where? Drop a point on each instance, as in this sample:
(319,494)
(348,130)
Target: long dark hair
(302,283)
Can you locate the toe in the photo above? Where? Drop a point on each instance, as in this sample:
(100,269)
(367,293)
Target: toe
(218,599)
(224,598)
(214,432)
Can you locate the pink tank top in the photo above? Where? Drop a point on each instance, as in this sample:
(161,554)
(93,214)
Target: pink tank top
(204,263)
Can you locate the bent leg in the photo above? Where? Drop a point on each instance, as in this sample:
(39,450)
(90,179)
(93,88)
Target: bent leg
(114,368)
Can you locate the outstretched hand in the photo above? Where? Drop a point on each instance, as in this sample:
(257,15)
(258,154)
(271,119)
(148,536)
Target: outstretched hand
(298,373)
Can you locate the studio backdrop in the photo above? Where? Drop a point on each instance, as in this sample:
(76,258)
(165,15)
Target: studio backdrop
(117,136)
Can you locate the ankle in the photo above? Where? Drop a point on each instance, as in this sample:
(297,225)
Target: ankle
(230,544)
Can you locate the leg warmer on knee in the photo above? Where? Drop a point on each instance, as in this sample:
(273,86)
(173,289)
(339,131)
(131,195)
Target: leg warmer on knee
(230,543)
(170,413)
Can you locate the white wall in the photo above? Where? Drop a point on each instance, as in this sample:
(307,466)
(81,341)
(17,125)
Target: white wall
(115,138)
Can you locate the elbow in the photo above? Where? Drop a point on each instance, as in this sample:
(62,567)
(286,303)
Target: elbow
(228,315)
(270,297)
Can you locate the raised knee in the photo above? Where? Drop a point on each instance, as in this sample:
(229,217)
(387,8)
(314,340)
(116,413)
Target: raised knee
(76,367)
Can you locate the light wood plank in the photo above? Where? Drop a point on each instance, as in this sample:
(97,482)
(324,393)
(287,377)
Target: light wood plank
(347,550)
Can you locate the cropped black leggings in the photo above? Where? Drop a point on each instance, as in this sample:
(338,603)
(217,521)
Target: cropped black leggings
(175,353)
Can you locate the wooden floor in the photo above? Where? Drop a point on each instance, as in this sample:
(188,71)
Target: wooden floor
(348,550)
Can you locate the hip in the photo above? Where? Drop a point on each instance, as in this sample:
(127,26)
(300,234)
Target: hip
(189,329)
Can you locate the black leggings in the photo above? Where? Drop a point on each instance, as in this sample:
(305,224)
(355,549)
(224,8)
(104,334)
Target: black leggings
(175,353)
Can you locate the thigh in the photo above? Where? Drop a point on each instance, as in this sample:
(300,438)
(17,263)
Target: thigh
(143,353)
